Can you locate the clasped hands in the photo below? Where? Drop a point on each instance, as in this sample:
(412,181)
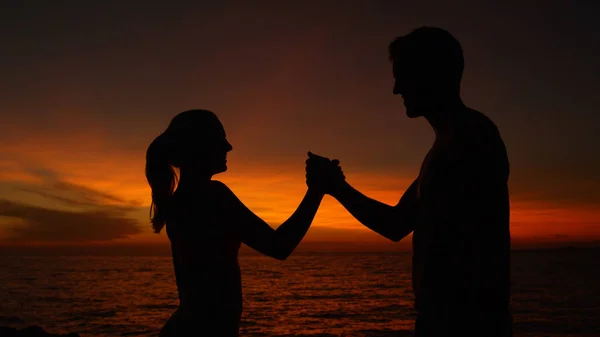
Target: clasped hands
(323,174)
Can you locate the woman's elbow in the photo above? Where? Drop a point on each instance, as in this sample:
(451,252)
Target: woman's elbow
(282,249)
(395,238)
(281,257)
(281,254)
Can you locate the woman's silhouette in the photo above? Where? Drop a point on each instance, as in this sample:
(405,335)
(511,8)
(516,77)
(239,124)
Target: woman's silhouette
(206,224)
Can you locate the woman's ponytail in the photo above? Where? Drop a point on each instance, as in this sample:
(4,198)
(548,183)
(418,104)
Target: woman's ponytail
(162,179)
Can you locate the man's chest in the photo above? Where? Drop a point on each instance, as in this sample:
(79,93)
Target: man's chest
(437,171)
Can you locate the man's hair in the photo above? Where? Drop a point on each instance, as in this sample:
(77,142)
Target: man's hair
(432,48)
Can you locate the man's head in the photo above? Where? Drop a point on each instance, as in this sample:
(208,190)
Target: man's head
(427,65)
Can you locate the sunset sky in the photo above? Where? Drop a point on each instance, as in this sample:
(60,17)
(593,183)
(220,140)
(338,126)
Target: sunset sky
(86,86)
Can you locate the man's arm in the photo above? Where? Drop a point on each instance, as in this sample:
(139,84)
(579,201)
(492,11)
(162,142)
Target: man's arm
(392,222)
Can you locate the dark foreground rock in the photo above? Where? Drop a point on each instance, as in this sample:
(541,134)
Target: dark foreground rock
(31,331)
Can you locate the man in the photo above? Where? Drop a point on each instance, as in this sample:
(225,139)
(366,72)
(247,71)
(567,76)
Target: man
(458,206)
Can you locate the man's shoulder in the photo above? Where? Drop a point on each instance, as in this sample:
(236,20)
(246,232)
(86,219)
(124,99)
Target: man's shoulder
(479,130)
(478,141)
(478,123)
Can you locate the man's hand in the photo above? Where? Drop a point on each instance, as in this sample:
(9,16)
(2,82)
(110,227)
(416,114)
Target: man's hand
(322,173)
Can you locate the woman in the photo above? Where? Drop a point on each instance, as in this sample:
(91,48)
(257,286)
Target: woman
(206,224)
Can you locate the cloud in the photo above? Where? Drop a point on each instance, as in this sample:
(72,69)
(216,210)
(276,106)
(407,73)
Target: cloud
(67,212)
(51,186)
(92,195)
(52,225)
(86,202)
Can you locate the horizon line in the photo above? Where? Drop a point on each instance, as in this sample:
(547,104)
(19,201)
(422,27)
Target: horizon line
(324,247)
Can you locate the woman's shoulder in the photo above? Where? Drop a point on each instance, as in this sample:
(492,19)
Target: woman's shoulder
(219,188)
(220,192)
(211,196)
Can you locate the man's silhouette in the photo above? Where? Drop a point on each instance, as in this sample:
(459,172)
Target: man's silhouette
(457,208)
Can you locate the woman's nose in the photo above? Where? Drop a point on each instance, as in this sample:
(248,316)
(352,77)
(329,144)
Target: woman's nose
(397,87)
(228,147)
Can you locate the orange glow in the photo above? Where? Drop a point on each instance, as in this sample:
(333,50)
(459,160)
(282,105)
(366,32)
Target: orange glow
(80,107)
(272,192)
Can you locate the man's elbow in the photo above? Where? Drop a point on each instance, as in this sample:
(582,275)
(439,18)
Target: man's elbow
(390,235)
(396,236)
(393,228)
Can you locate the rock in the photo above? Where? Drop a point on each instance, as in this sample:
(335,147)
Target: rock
(7,331)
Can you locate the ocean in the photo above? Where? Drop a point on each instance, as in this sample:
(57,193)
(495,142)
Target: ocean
(555,293)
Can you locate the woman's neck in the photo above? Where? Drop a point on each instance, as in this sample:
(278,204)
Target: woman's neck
(193,177)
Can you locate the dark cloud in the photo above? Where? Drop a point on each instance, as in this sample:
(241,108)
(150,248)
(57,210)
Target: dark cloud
(56,189)
(84,202)
(42,172)
(91,195)
(98,216)
(51,225)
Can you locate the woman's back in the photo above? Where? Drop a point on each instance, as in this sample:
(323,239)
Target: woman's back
(205,259)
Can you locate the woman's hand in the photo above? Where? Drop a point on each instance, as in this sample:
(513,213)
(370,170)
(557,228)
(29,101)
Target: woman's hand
(323,174)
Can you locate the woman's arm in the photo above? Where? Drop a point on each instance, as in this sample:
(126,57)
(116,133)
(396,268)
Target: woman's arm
(257,234)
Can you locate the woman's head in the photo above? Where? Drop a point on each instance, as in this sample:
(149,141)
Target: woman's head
(194,142)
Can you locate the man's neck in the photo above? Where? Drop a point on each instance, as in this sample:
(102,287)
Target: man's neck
(443,119)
